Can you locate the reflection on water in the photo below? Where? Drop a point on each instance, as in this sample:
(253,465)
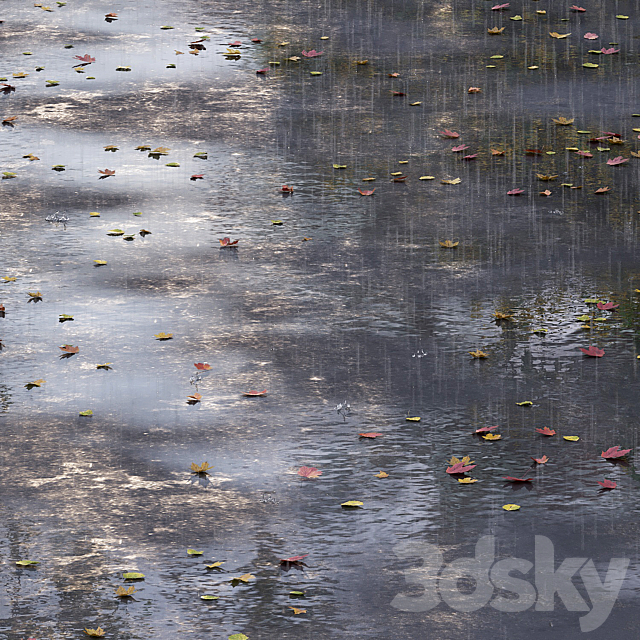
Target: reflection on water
(350,313)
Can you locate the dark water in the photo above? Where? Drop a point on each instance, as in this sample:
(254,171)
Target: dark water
(369,311)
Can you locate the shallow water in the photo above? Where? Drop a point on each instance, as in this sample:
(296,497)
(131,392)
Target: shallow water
(370,311)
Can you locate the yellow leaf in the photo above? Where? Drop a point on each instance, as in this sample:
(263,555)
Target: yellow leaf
(454,181)
(100,262)
(494,31)
(525,403)
(478,354)
(125,593)
(555,34)
(94,632)
(511,507)
(200,468)
(492,436)
(501,315)
(413,419)
(8,279)
(427,178)
(215,565)
(448,244)
(163,336)
(297,611)
(246,577)
(572,438)
(563,121)
(467,480)
(368,179)
(545,178)
(396,173)
(382,474)
(352,503)
(94,214)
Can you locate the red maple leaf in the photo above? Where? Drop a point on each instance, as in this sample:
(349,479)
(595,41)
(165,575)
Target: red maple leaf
(226,242)
(616,161)
(607,306)
(471,157)
(293,559)
(485,429)
(592,351)
(309,472)
(546,431)
(542,460)
(512,479)
(584,154)
(591,36)
(615,452)
(515,192)
(370,434)
(86,58)
(460,467)
(398,93)
(197,176)
(286,189)
(608,52)
(202,366)
(500,7)
(460,147)
(366,192)
(312,54)
(255,394)
(449,134)
(608,484)
(106,173)
(573,7)
(67,348)
(235,43)
(263,71)
(256,40)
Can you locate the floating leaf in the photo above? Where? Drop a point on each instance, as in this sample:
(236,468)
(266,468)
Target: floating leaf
(558,36)
(449,134)
(133,575)
(35,383)
(27,563)
(88,412)
(254,394)
(546,431)
(67,348)
(100,263)
(309,472)
(382,474)
(448,244)
(200,469)
(106,366)
(370,434)
(454,181)
(542,460)
(94,632)
(590,65)
(495,31)
(608,484)
(194,399)
(202,366)
(593,351)
(615,452)
(467,480)
(512,479)
(511,507)
(352,504)
(240,636)
(193,552)
(121,592)
(243,578)
(413,419)
(172,164)
(115,232)
(515,192)
(525,403)
(479,354)
(572,438)
(208,597)
(163,336)
(492,436)
(617,161)
(427,178)
(215,565)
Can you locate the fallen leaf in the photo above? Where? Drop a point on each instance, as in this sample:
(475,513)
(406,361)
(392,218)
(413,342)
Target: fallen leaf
(478,354)
(546,178)
(460,466)
(571,438)
(94,632)
(555,34)
(492,436)
(352,504)
(460,147)
(163,336)
(500,7)
(525,403)
(201,469)
(339,166)
(293,559)
(67,348)
(27,563)
(497,152)
(208,597)
(106,173)
(202,366)
(606,306)
(133,575)
(393,75)
(286,189)
(512,479)
(593,351)
(608,52)
(382,474)
(515,192)
(413,419)
(511,507)
(365,192)
(485,429)
(542,460)
(546,192)
(453,181)
(197,176)
(502,315)
(194,399)
(449,134)
(215,565)
(312,54)
(448,244)
(602,190)
(34,296)
(226,242)
(495,31)
(193,552)
(615,452)
(370,434)
(474,90)
(121,592)
(617,161)
(400,178)
(255,394)
(546,431)
(427,178)
(297,611)
(106,366)
(100,263)
(577,9)
(309,472)
(86,413)
(467,480)
(590,36)
(608,484)
(35,383)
